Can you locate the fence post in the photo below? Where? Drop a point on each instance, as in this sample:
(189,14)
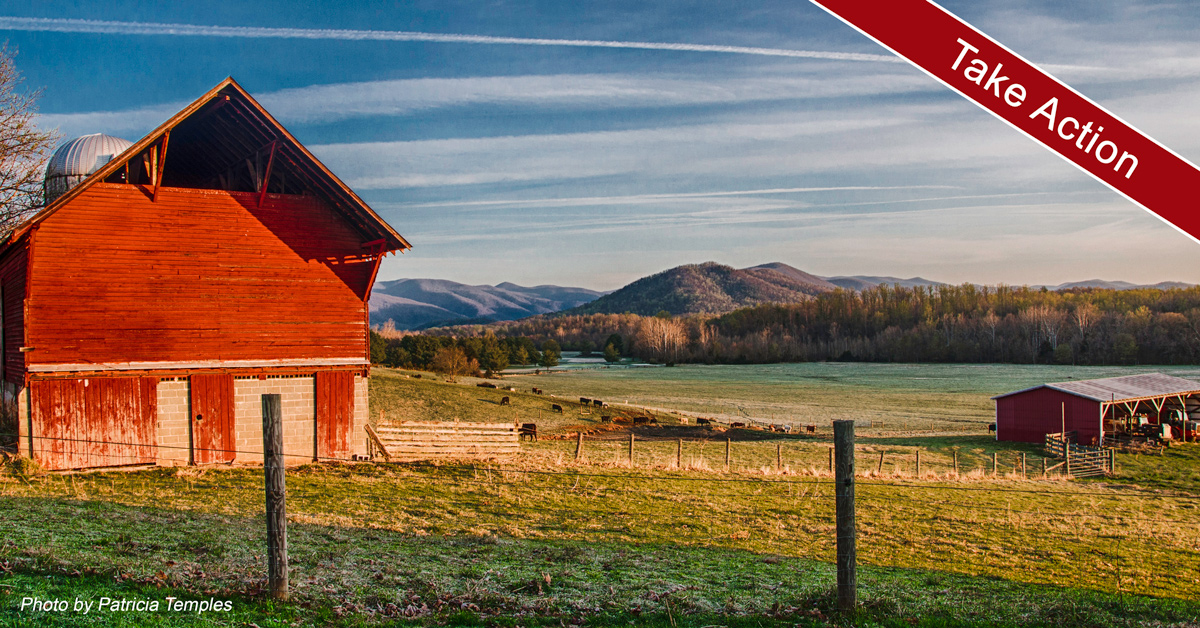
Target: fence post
(831,461)
(1112,461)
(679,454)
(1023,474)
(727,440)
(1043,466)
(1067,451)
(779,457)
(847,580)
(918,463)
(955,463)
(578,446)
(880,469)
(631,449)
(276,494)
(994,462)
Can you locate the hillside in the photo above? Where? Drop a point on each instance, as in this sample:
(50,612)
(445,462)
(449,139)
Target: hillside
(859,283)
(708,288)
(420,303)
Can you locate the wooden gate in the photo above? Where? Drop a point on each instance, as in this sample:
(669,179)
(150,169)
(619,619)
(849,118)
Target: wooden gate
(334,413)
(212,418)
(95,422)
(1078,460)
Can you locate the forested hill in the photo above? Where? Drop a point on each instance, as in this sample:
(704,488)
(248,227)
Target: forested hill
(708,288)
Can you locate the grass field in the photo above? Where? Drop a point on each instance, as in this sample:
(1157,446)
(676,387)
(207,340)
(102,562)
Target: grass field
(540,539)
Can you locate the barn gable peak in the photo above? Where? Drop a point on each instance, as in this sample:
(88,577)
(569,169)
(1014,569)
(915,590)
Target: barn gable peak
(225,140)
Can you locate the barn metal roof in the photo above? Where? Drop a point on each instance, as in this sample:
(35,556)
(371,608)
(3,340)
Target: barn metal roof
(1126,388)
(215,135)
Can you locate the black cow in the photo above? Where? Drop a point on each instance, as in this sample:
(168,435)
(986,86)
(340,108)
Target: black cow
(992,428)
(737,425)
(606,419)
(639,420)
(585,401)
(486,385)
(598,403)
(557,408)
(504,401)
(528,430)
(703,421)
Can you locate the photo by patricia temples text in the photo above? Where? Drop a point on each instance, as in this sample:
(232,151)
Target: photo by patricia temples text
(124,605)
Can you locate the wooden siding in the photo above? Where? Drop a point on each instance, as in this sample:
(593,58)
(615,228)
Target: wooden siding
(213,417)
(197,275)
(334,413)
(95,422)
(12,284)
(1028,416)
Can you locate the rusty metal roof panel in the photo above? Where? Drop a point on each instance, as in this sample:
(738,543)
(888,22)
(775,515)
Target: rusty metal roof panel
(1128,387)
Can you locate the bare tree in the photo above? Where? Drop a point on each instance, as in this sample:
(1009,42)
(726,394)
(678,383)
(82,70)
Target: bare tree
(453,362)
(24,148)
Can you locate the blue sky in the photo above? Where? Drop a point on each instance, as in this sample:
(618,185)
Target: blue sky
(572,163)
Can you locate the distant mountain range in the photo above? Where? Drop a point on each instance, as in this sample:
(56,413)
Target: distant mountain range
(422,303)
(708,288)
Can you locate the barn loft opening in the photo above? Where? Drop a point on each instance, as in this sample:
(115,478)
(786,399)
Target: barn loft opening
(226,145)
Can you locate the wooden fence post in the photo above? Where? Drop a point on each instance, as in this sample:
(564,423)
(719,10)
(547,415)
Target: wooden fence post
(1112,461)
(578,446)
(831,461)
(918,463)
(727,441)
(1023,474)
(276,496)
(880,470)
(995,457)
(955,463)
(1067,454)
(631,449)
(779,457)
(847,580)
(1043,466)
(679,454)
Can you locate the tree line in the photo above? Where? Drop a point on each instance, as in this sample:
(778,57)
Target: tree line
(460,355)
(964,323)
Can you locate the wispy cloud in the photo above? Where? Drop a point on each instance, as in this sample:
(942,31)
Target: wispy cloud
(106,27)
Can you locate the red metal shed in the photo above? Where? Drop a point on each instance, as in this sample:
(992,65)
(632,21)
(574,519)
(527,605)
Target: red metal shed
(213,260)
(1092,408)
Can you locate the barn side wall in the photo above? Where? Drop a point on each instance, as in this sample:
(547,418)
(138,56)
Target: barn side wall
(198,275)
(1028,416)
(12,290)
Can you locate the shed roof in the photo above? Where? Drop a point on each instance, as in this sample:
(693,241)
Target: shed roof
(219,131)
(1126,388)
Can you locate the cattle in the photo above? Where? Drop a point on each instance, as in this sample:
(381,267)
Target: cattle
(787,429)
(505,401)
(417,376)
(536,391)
(486,385)
(599,404)
(737,425)
(585,401)
(528,430)
(653,421)
(683,420)
(606,419)
(639,420)
(703,421)
(992,428)
(810,428)
(556,408)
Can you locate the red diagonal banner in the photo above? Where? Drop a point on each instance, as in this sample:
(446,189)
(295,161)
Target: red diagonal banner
(1037,104)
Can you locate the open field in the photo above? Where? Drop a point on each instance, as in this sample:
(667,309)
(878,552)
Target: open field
(540,539)
(893,396)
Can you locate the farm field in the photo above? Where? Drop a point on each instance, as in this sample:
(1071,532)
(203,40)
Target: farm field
(542,539)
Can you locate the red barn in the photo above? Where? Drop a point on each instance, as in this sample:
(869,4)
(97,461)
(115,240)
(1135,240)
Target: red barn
(1094,408)
(148,306)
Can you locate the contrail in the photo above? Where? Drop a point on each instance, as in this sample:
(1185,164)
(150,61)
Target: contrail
(64,25)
